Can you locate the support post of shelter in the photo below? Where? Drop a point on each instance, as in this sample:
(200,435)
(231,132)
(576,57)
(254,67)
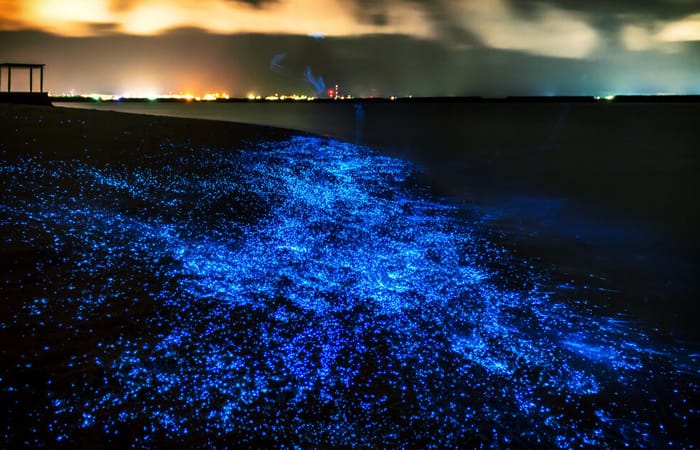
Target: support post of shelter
(25,96)
(29,67)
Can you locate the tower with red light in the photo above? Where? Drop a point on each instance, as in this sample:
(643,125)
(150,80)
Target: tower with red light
(333,93)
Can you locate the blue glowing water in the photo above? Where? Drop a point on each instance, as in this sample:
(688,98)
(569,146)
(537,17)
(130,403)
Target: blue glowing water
(307,293)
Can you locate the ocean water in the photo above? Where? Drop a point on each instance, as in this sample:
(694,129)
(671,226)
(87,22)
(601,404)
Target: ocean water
(310,292)
(604,192)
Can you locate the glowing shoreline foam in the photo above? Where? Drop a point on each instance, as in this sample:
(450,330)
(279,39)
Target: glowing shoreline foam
(307,293)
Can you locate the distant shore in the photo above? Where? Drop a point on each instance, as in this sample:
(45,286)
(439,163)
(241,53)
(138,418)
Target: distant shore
(456,99)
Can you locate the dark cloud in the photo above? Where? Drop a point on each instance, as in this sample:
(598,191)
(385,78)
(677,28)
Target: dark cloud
(609,16)
(9,24)
(447,25)
(125,5)
(605,15)
(364,65)
(8,13)
(372,12)
(122,5)
(620,9)
(104,28)
(254,3)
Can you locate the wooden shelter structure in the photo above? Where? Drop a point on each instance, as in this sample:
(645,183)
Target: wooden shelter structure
(31,68)
(31,96)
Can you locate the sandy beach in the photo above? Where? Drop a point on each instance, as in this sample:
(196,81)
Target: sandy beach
(180,283)
(62,133)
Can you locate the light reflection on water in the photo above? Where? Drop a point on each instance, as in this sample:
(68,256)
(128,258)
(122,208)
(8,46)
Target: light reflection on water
(306,292)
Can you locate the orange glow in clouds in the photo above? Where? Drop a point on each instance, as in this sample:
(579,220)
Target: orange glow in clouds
(146,17)
(550,30)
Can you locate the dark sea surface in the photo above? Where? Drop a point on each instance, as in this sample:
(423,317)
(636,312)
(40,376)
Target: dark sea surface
(413,276)
(604,192)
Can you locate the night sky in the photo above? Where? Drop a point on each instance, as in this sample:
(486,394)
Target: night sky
(367,47)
